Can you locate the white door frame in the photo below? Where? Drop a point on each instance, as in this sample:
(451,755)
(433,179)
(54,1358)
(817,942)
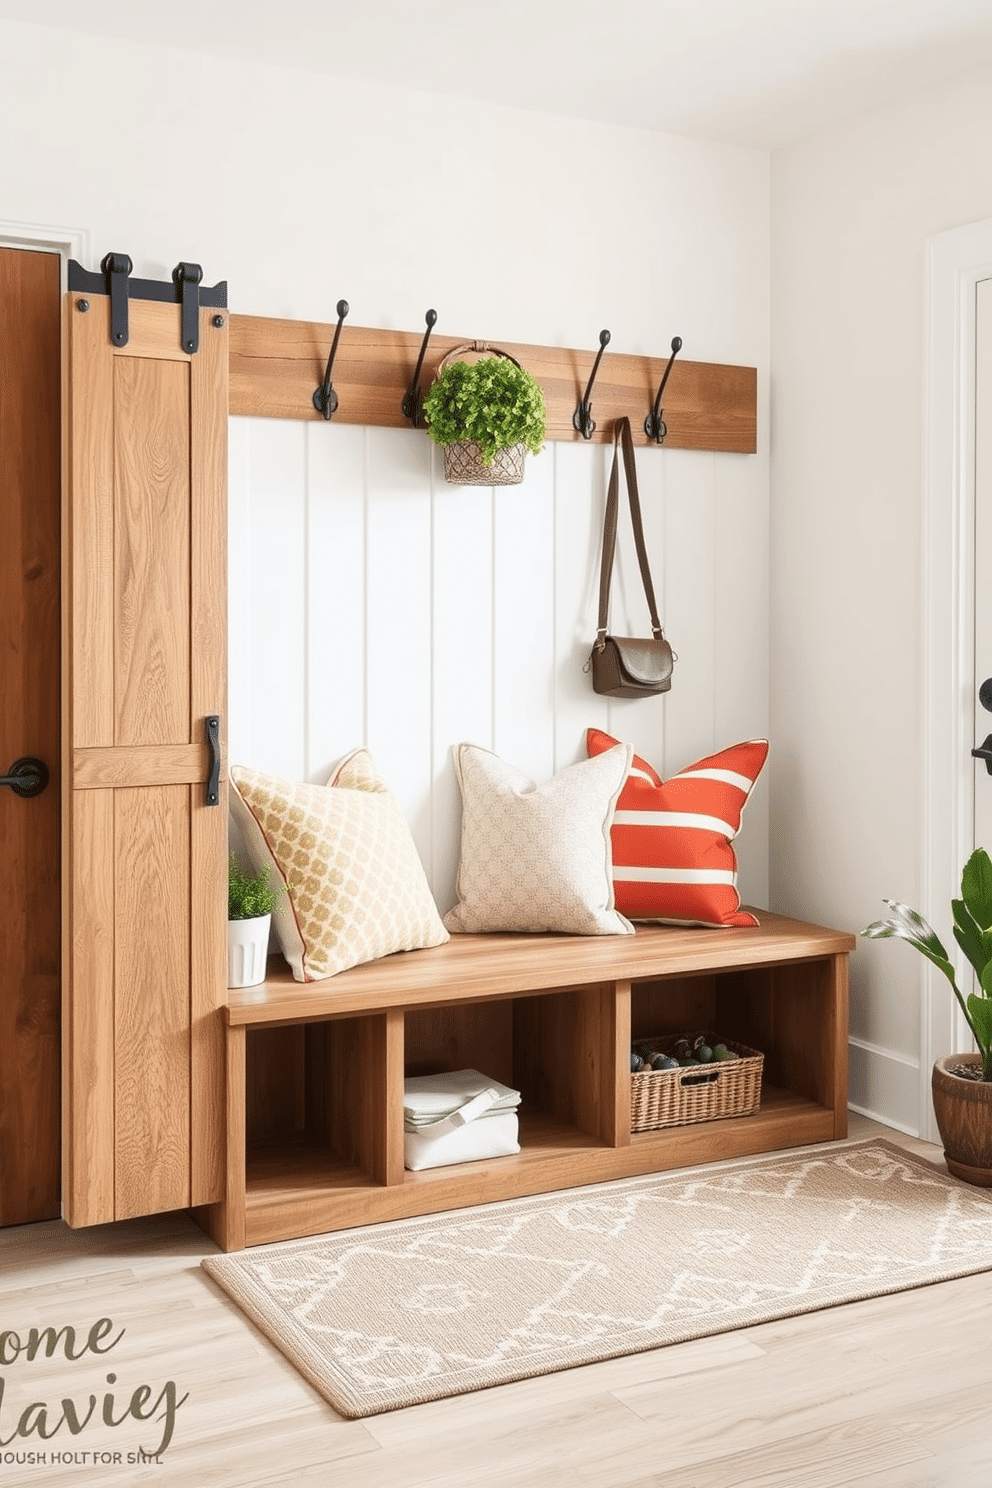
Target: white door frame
(41,237)
(955,262)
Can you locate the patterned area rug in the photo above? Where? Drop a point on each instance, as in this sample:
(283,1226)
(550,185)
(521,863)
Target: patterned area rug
(400,1313)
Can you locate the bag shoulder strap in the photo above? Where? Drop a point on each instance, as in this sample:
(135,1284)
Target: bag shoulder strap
(622,436)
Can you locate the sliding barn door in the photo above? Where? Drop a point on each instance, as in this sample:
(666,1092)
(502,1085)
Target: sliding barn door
(144,854)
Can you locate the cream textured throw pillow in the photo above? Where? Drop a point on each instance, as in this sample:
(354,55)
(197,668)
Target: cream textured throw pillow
(356,888)
(537,857)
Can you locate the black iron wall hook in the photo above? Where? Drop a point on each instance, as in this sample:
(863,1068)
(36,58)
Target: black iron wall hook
(325,399)
(582,418)
(413,403)
(654,425)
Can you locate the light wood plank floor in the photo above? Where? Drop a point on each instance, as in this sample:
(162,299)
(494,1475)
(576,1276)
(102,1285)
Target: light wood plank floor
(890,1393)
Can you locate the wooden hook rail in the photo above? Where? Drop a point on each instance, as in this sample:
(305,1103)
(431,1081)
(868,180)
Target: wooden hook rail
(275,364)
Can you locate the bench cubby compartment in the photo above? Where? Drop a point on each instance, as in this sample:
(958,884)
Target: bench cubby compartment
(558,1050)
(307,1100)
(788,1012)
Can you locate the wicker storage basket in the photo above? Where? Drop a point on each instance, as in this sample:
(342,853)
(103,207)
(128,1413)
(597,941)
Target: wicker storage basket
(696,1092)
(463,465)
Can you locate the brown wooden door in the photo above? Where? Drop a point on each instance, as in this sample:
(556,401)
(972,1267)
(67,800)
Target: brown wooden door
(29,726)
(145,857)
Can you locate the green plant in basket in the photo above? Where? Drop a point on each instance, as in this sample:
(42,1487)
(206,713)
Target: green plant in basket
(493,403)
(973,933)
(249,895)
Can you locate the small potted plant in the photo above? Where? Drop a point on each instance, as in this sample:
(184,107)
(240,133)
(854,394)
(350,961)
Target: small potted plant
(485,414)
(250,902)
(961,1083)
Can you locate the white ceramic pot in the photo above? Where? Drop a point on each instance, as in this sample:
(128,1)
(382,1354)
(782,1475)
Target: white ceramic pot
(247,949)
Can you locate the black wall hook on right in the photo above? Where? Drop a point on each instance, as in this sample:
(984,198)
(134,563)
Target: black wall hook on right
(325,399)
(654,425)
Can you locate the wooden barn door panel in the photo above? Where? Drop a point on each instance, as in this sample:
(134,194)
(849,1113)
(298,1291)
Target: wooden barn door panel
(88,1007)
(29,726)
(151,551)
(146,855)
(208,826)
(152,1005)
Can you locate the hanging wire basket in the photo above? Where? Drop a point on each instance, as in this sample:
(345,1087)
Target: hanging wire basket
(463,465)
(463,460)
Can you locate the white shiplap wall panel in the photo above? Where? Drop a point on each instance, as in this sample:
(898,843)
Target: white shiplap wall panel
(690,600)
(580,498)
(740,572)
(740,676)
(462,651)
(523,619)
(373,603)
(241,674)
(336,567)
(398,620)
(274,573)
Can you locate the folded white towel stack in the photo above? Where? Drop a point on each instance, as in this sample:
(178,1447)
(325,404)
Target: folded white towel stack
(458,1116)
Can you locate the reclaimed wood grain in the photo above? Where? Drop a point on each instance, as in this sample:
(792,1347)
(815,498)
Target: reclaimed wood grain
(560,1009)
(208,696)
(151,551)
(151,1004)
(470,966)
(88,1012)
(277,364)
(144,665)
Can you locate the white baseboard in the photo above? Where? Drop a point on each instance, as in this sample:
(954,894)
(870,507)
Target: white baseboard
(909,1131)
(885,1086)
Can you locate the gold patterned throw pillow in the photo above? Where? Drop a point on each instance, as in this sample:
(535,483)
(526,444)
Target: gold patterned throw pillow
(537,857)
(356,888)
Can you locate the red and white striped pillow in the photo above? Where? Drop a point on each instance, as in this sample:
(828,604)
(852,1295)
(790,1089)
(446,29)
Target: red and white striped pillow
(672,858)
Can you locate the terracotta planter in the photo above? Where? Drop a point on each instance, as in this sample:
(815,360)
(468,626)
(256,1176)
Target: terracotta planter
(963,1109)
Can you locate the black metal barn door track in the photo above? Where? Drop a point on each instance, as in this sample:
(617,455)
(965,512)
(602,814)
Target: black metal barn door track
(185,288)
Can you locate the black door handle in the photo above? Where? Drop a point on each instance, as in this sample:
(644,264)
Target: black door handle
(26,777)
(213,745)
(985,753)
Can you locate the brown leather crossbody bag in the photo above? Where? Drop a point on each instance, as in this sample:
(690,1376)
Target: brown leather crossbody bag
(623,666)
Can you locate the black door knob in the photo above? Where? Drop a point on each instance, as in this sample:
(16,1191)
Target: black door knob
(26,776)
(985,694)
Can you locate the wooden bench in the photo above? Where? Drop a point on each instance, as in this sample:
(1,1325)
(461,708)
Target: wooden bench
(315,1071)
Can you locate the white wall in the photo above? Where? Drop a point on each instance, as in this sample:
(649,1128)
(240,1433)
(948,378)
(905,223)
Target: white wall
(852,209)
(363,590)
(300,189)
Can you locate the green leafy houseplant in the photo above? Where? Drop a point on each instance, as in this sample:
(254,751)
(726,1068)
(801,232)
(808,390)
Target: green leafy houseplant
(491,402)
(973,933)
(249,895)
